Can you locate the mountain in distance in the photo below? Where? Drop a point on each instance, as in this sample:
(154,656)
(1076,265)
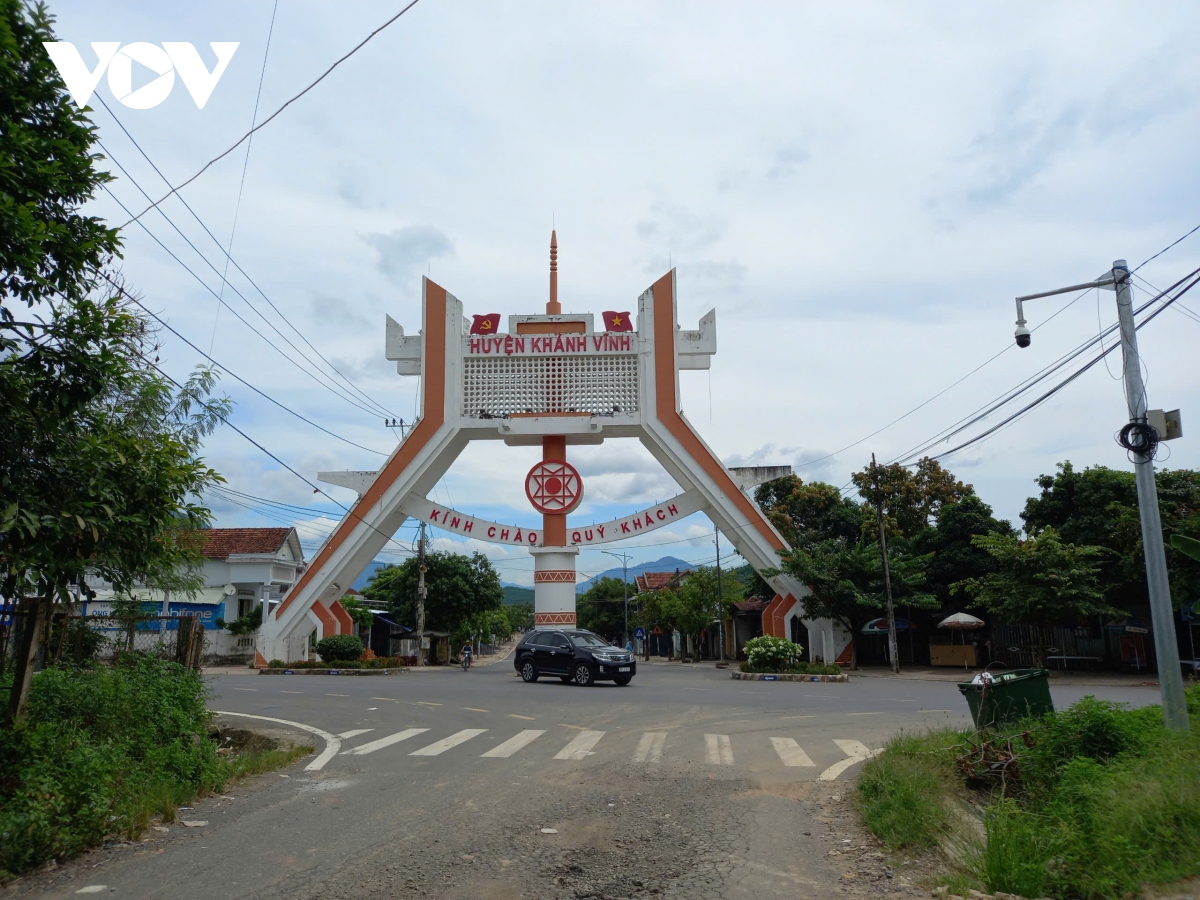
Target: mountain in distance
(666,564)
(516,593)
(365,578)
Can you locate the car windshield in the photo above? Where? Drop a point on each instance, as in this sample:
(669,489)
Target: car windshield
(588,640)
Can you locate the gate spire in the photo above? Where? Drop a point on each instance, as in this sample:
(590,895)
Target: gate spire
(553,308)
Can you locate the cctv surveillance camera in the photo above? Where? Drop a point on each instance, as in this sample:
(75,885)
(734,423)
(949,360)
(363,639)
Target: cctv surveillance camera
(1023,336)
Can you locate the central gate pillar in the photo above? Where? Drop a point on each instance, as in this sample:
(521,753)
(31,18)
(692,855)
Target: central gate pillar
(554,586)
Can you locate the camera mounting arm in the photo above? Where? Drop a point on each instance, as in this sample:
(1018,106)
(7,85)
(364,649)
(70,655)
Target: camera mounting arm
(1023,334)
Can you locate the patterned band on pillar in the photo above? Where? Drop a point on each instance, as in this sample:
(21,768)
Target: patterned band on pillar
(567,575)
(554,618)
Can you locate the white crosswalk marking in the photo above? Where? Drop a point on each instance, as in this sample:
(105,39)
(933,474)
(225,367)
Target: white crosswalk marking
(580,746)
(650,747)
(717,750)
(396,738)
(855,751)
(354,732)
(513,744)
(790,753)
(439,747)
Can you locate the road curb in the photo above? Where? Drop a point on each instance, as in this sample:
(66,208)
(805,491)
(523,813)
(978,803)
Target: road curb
(759,676)
(400,671)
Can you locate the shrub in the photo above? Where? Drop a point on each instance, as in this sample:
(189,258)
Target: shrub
(772,654)
(99,753)
(340,648)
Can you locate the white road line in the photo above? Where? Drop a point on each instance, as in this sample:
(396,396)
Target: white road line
(865,714)
(580,746)
(513,744)
(382,742)
(346,735)
(245,689)
(526,718)
(790,753)
(333,743)
(474,709)
(650,747)
(439,747)
(855,751)
(717,750)
(291,692)
(427,703)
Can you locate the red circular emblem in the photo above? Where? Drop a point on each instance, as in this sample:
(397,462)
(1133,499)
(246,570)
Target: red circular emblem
(553,486)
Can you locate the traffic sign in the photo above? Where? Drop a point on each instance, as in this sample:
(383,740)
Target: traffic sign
(639,633)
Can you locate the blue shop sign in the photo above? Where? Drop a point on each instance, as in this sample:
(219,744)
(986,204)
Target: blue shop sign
(207,613)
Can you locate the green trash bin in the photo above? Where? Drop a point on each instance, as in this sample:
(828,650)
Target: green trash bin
(1014,695)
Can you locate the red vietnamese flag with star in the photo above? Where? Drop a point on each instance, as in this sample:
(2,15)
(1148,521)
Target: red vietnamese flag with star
(488,324)
(617,321)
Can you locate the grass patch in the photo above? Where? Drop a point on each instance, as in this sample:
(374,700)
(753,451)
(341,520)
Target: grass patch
(904,793)
(106,751)
(1096,801)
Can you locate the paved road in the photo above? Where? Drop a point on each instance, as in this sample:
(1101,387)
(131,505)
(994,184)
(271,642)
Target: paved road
(684,783)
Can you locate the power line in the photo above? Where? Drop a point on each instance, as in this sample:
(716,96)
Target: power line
(1062,384)
(270,118)
(380,408)
(237,206)
(234,375)
(1168,247)
(329,387)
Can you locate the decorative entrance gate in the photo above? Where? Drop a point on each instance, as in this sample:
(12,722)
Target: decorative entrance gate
(553,381)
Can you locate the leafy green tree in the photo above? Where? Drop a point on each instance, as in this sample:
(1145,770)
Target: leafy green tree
(692,607)
(953,557)
(1098,507)
(846,579)
(459,587)
(601,607)
(47,170)
(808,513)
(1038,581)
(519,615)
(912,499)
(359,613)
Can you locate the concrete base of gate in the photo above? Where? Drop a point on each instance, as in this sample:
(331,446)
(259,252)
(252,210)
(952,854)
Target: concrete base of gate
(554,586)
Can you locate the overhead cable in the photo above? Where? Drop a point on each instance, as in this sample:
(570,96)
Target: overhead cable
(270,118)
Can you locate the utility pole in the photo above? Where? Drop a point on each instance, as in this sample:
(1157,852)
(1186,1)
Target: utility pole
(421,592)
(1170,677)
(720,608)
(893,650)
(624,558)
(1141,440)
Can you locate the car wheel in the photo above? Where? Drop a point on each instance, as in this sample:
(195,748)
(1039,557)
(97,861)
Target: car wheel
(583,675)
(529,672)
(623,680)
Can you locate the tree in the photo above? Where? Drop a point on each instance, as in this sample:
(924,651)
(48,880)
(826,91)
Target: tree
(953,556)
(808,513)
(99,466)
(846,579)
(1098,507)
(359,613)
(1038,581)
(47,170)
(601,607)
(692,607)
(459,587)
(519,615)
(912,500)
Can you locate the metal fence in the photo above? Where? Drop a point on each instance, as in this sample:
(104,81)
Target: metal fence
(1026,646)
(70,637)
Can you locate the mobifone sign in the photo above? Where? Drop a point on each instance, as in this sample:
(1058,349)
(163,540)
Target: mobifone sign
(118,60)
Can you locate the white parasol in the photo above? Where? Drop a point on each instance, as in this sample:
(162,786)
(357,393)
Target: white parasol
(962,622)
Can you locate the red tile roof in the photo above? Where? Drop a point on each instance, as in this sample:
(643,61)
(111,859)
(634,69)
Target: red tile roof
(751,605)
(653,581)
(220,543)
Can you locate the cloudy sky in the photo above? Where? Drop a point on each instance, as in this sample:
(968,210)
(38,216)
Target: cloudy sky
(859,189)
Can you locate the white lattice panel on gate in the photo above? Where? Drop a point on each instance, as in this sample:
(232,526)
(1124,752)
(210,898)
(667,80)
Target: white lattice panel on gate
(501,386)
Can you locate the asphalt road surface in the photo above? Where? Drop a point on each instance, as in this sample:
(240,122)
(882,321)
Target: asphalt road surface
(446,783)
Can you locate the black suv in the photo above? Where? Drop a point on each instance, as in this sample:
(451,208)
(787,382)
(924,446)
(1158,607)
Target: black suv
(578,656)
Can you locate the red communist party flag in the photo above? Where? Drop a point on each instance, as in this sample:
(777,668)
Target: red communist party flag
(488,324)
(617,321)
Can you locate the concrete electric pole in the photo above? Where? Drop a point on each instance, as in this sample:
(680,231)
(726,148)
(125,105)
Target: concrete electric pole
(421,592)
(1140,439)
(893,649)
